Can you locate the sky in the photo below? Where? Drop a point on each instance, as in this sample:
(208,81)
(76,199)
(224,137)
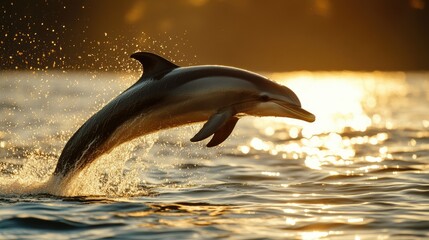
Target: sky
(271,35)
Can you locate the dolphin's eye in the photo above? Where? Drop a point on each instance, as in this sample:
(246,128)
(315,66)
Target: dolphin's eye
(264,98)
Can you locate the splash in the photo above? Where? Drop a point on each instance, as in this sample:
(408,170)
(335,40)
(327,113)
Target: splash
(115,174)
(27,178)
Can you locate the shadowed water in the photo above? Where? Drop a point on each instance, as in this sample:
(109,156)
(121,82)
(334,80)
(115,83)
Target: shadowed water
(359,172)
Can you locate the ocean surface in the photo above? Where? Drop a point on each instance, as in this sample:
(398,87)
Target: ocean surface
(361,171)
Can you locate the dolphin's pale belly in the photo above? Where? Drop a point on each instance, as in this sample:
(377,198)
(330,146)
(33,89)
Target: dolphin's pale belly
(151,122)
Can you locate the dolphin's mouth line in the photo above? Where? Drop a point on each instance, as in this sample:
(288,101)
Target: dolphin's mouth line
(297,112)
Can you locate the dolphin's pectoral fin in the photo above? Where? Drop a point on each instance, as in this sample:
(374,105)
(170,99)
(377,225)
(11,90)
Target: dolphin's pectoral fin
(223,133)
(212,125)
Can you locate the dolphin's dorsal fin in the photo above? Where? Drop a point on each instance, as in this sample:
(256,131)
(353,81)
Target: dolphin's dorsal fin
(153,63)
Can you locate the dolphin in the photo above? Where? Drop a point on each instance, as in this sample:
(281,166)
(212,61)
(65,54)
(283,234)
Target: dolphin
(168,96)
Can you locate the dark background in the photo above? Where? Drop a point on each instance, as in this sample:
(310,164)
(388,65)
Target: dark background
(269,35)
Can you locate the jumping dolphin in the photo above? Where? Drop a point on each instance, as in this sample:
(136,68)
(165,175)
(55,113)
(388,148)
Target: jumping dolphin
(168,96)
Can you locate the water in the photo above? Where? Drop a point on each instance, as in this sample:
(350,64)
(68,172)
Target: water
(359,172)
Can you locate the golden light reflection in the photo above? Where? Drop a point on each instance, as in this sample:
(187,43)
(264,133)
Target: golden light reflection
(355,220)
(313,163)
(259,144)
(338,99)
(313,235)
(346,108)
(290,221)
(271,174)
(289,210)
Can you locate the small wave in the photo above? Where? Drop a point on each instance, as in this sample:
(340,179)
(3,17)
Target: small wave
(46,223)
(332,201)
(341,177)
(395,169)
(327,226)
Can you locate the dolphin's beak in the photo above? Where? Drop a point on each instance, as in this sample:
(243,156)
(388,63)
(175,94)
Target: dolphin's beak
(297,112)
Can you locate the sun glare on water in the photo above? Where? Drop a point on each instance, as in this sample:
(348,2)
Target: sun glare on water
(341,101)
(346,106)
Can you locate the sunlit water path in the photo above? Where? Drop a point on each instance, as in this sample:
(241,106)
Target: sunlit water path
(359,172)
